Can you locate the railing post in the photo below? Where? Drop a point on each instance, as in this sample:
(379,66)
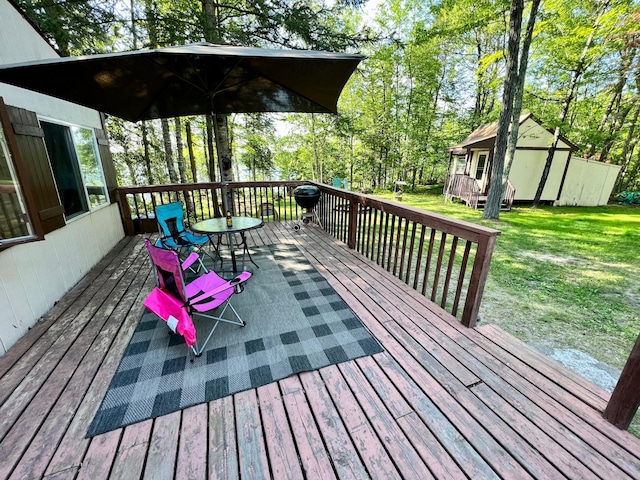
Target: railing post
(625,399)
(353,224)
(478,280)
(125,211)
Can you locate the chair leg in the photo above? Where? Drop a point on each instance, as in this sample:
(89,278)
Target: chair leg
(198,351)
(201,266)
(238,321)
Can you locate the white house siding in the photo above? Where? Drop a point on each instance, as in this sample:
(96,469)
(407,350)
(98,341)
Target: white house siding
(527,169)
(36,275)
(33,276)
(588,183)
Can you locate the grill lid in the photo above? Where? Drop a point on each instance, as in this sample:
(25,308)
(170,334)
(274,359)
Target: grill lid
(306,191)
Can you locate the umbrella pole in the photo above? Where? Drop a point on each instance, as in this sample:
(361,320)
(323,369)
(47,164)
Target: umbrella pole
(223,147)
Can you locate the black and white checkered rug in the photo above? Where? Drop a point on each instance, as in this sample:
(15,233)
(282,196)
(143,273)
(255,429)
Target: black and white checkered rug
(295,322)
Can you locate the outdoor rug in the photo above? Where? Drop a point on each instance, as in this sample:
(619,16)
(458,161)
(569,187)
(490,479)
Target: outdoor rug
(295,322)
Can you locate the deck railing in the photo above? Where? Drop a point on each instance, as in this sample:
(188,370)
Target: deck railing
(463,187)
(509,196)
(269,200)
(466,189)
(445,259)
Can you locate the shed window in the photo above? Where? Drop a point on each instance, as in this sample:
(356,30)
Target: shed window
(482,160)
(15,223)
(74,158)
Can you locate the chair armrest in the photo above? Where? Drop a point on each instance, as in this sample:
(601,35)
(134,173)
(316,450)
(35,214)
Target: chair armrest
(231,284)
(190,260)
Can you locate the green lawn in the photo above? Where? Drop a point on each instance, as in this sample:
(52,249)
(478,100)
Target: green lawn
(566,277)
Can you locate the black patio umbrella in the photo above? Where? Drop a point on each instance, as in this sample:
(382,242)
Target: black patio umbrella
(191,79)
(195,79)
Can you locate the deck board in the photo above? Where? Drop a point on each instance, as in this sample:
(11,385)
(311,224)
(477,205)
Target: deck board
(442,400)
(281,443)
(533,384)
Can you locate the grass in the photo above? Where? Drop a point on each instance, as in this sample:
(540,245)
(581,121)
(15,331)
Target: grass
(564,277)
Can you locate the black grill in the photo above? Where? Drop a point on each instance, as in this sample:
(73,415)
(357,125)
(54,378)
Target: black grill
(307,196)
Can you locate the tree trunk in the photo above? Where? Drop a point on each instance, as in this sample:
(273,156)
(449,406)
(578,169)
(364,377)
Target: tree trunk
(612,115)
(627,149)
(212,33)
(430,123)
(518,94)
(168,151)
(210,149)
(192,158)
(211,19)
(147,156)
(316,158)
(494,199)
(211,168)
(182,167)
(126,157)
(351,160)
(223,148)
(547,168)
(134,29)
(614,129)
(480,99)
(632,173)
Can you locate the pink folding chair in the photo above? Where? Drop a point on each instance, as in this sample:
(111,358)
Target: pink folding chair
(177,302)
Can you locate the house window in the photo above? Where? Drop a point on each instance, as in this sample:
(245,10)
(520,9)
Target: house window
(15,223)
(461,163)
(482,160)
(74,158)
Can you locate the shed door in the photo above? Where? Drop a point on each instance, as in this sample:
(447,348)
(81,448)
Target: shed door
(481,166)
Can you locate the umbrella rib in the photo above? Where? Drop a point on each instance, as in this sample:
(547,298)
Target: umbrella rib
(164,67)
(229,87)
(210,93)
(189,82)
(225,78)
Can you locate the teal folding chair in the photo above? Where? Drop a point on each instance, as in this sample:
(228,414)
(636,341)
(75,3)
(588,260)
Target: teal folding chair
(175,236)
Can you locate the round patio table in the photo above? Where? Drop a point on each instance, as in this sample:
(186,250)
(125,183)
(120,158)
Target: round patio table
(240,225)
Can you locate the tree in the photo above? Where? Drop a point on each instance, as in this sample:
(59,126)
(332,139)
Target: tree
(182,168)
(473,32)
(192,158)
(519,94)
(434,70)
(514,87)
(585,59)
(255,151)
(75,28)
(494,200)
(168,151)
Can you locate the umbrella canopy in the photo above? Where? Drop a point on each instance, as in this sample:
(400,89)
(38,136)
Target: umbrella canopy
(191,80)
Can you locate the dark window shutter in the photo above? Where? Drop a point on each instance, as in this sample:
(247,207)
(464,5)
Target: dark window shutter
(39,180)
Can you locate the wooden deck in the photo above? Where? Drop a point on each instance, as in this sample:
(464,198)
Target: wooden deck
(442,401)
